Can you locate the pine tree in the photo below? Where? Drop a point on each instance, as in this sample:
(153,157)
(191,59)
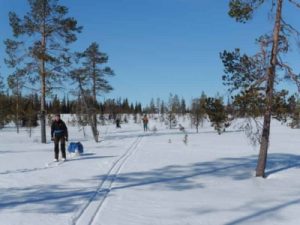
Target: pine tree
(294,106)
(92,82)
(172,110)
(4,104)
(125,106)
(16,80)
(176,107)
(2,85)
(63,106)
(56,106)
(16,83)
(198,111)
(280,106)
(158,105)
(30,114)
(4,110)
(162,108)
(152,108)
(44,31)
(182,107)
(216,112)
(242,11)
(131,108)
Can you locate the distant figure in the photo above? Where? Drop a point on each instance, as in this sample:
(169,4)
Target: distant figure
(185,139)
(59,133)
(181,128)
(118,123)
(145,122)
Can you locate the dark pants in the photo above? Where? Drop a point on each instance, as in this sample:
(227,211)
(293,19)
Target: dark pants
(118,124)
(145,127)
(62,141)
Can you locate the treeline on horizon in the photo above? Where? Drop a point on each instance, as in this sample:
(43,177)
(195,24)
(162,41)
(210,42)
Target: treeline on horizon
(24,110)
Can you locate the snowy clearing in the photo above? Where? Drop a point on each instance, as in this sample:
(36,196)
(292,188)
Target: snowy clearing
(137,178)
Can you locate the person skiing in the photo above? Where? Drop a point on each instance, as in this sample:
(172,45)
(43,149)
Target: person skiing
(59,134)
(145,122)
(118,123)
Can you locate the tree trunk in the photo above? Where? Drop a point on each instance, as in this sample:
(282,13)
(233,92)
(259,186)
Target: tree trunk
(18,108)
(94,115)
(43,82)
(262,159)
(43,103)
(95,132)
(89,114)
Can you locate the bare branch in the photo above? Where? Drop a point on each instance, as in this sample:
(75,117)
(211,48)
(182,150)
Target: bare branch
(297,4)
(31,88)
(290,28)
(290,74)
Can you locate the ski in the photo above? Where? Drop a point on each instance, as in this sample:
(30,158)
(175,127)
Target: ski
(53,164)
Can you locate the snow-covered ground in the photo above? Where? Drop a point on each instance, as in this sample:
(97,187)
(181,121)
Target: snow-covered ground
(133,178)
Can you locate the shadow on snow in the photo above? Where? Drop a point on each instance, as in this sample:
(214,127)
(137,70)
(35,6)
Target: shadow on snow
(62,199)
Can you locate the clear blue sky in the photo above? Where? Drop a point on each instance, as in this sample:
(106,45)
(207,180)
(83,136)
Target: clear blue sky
(160,46)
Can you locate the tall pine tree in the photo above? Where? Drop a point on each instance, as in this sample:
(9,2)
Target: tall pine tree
(91,78)
(242,11)
(45,31)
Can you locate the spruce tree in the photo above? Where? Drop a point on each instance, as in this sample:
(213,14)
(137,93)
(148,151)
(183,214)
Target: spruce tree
(182,107)
(56,105)
(152,108)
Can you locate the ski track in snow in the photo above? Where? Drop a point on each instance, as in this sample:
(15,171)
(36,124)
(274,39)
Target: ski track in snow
(47,166)
(53,164)
(88,213)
